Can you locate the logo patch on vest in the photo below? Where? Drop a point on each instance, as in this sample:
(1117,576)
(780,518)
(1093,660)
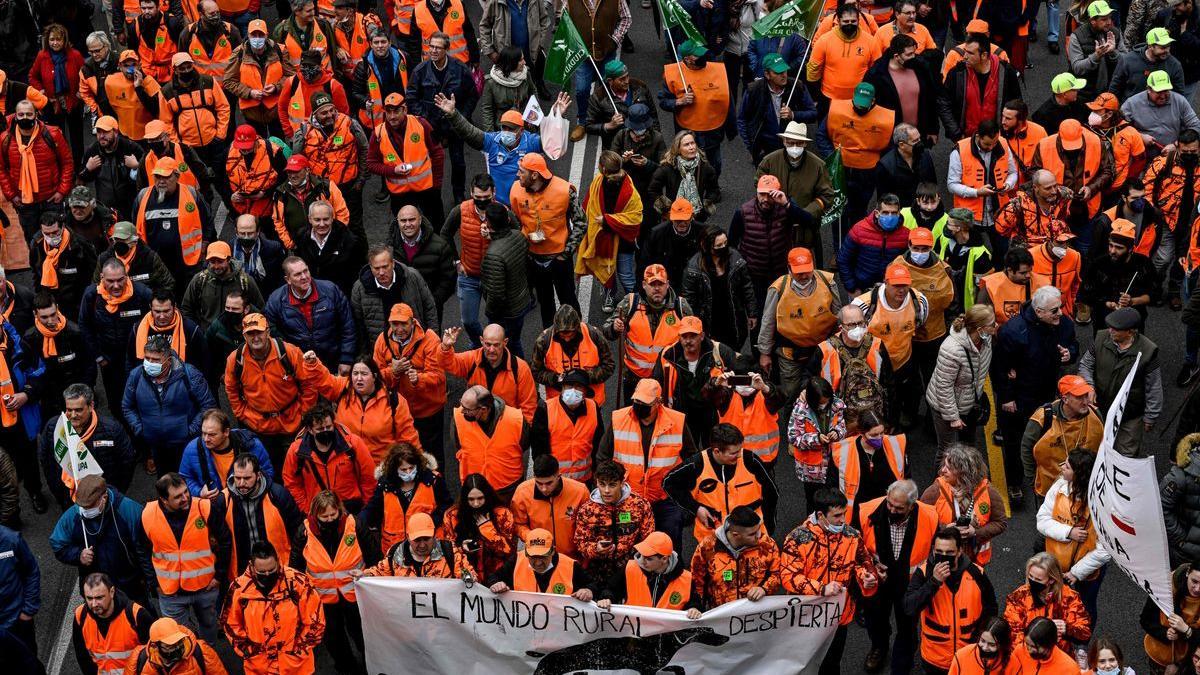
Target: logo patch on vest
(675,598)
(200,524)
(454,14)
(183,167)
(349,540)
(196,51)
(415,138)
(158,40)
(338,140)
(624,517)
(372,86)
(190,207)
(727,575)
(670,319)
(983,509)
(559,589)
(391,157)
(223,42)
(707,485)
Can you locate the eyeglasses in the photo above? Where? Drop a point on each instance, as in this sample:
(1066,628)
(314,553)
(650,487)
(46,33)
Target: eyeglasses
(854,324)
(1051,310)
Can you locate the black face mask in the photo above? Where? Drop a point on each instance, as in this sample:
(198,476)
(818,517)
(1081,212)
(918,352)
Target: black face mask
(26,123)
(170,656)
(701,61)
(310,74)
(849,31)
(482,204)
(642,410)
(266,582)
(944,558)
(1037,589)
(186,78)
(231,320)
(989,656)
(328,528)
(721,254)
(159,149)
(326,437)
(247,243)
(1188,158)
(121,248)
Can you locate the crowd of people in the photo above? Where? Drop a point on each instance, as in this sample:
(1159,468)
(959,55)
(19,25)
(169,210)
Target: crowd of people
(285,375)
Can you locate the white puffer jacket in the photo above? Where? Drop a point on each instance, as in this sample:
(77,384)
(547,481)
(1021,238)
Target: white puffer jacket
(952,389)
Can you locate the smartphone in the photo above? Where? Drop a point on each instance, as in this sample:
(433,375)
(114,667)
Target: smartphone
(740,380)
(963,521)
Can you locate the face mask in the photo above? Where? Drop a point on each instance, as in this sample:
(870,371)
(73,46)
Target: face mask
(212,23)
(1185,158)
(170,657)
(1108,671)
(1094,120)
(849,31)
(325,437)
(744,390)
(266,581)
(328,527)
(988,655)
(26,123)
(121,248)
(185,77)
(888,222)
(1058,251)
(875,442)
(53,242)
(130,70)
(258,42)
(1137,205)
(985,338)
(152,369)
(701,62)
(572,397)
(507,138)
(856,333)
(835,529)
(309,73)
(919,257)
(482,204)
(642,410)
(407,476)
(1037,589)
(92,513)
(795,152)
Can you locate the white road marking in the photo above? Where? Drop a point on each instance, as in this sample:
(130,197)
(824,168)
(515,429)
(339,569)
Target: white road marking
(578,160)
(64,632)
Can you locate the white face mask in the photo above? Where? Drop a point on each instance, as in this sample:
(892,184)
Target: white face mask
(407,476)
(919,257)
(572,397)
(857,333)
(91,513)
(795,152)
(258,42)
(1094,120)
(1058,251)
(53,242)
(744,390)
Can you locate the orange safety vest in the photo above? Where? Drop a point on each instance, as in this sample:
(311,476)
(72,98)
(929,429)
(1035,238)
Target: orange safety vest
(1024,145)
(331,578)
(862,137)
(831,362)
(974,175)
(190,233)
(395,516)
(109,651)
(643,344)
(294,50)
(416,153)
(1124,142)
(1053,162)
(722,497)
(711,87)
(273,523)
(186,175)
(199,110)
(1070,552)
(402,16)
(981,514)
(804,321)
(188,563)
(927,525)
(935,283)
(1062,274)
(1006,297)
(297,109)
(370,119)
(355,44)
(949,621)
(637,590)
(254,78)
(645,471)
(546,212)
(586,356)
(452,26)
(133,10)
(498,457)
(571,441)
(1145,243)
(260,176)
(334,155)
(156,60)
(845,457)
(895,327)
(760,429)
(561,577)
(212,64)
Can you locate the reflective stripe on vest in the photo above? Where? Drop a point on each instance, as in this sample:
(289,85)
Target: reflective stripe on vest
(213,64)
(586,356)
(759,427)
(645,474)
(111,650)
(642,343)
(332,577)
(188,563)
(498,457)
(191,235)
(974,175)
(571,441)
(742,489)
(845,457)
(416,153)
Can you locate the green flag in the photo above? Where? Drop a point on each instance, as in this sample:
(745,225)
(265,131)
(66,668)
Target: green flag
(674,15)
(566,52)
(796,17)
(838,178)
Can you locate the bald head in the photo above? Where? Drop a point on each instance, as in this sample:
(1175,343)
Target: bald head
(850,314)
(246,226)
(494,344)
(209,10)
(408,219)
(476,403)
(1044,178)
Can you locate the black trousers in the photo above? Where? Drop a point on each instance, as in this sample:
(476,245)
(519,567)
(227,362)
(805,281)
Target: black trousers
(832,664)
(878,610)
(24,456)
(558,278)
(1012,427)
(432,434)
(353,195)
(343,628)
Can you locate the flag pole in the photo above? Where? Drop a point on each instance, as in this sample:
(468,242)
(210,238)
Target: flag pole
(671,41)
(603,84)
(800,75)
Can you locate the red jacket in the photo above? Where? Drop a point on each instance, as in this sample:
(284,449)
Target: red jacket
(324,83)
(55,168)
(41,76)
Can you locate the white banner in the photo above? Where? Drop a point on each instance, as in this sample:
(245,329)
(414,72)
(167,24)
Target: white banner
(440,626)
(1126,511)
(72,455)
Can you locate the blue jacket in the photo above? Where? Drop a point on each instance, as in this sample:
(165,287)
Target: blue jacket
(502,162)
(197,462)
(173,416)
(712,23)
(27,370)
(757,121)
(331,334)
(20,578)
(108,334)
(791,48)
(867,251)
(114,537)
(1029,348)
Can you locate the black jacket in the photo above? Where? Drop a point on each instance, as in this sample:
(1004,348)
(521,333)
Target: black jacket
(433,259)
(952,104)
(113,185)
(74,364)
(75,268)
(680,482)
(1029,348)
(108,333)
(754,121)
(666,248)
(1050,114)
(600,110)
(146,268)
(1187,42)
(697,290)
(664,187)
(896,177)
(338,261)
(109,444)
(887,96)
(293,519)
(21,297)
(922,588)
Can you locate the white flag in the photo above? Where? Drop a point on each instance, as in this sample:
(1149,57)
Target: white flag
(533,111)
(72,455)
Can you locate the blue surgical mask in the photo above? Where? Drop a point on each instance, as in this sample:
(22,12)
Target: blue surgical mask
(888,222)
(506,138)
(919,257)
(1108,671)
(407,476)
(572,397)
(1137,205)
(258,42)
(130,70)
(835,529)
(152,369)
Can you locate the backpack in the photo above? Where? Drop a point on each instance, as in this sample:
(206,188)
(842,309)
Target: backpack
(144,656)
(859,388)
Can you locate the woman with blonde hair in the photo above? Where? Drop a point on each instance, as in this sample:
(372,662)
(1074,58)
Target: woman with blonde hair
(685,172)
(963,497)
(409,483)
(1045,595)
(955,393)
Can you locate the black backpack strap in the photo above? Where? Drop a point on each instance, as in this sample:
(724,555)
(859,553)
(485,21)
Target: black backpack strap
(447,552)
(1047,417)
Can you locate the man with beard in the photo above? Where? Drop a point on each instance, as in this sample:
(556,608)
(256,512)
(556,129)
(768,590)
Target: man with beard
(175,221)
(547,208)
(1173,186)
(108,165)
(210,40)
(976,88)
(1033,215)
(672,244)
(296,92)
(259,510)
(926,211)
(142,263)
(1149,227)
(108,626)
(1127,79)
(154,36)
(36,170)
(1123,278)
(202,301)
(224,335)
(407,157)
(336,147)
(1022,134)
(1128,147)
(982,173)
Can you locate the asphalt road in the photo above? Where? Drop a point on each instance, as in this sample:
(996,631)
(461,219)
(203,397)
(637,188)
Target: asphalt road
(1120,602)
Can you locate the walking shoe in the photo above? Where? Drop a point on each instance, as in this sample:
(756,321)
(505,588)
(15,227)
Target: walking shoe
(1053,47)
(997,437)
(578,133)
(1186,374)
(1176,304)
(874,662)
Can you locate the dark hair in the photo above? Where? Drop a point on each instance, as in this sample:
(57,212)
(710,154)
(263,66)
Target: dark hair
(987,128)
(743,516)
(726,434)
(609,472)
(483,181)
(1105,643)
(97,578)
(248,459)
(1132,183)
(1042,632)
(900,42)
(265,550)
(1081,461)
(949,533)
(510,57)
(889,199)
(828,498)
(985,45)
(498,217)
(867,419)
(1002,633)
(1188,135)
(1018,106)
(161,294)
(52,217)
(545,466)
(401,452)
(817,388)
(217,415)
(926,190)
(845,9)
(320,410)
(165,482)
(1017,256)
(369,362)
(43,300)
(466,528)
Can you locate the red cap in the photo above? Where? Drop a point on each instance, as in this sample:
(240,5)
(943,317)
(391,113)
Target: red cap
(536,163)
(920,236)
(1073,385)
(297,163)
(1070,134)
(898,275)
(800,260)
(244,137)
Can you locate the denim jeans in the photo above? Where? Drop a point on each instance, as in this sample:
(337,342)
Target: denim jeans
(627,272)
(1053,19)
(585,75)
(202,603)
(470,294)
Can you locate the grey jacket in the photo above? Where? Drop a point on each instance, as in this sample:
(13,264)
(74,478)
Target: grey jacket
(1162,122)
(1081,54)
(959,376)
(495,29)
(1129,78)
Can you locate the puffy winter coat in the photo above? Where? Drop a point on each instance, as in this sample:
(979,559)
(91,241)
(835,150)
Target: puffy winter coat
(505,279)
(108,333)
(867,251)
(331,334)
(200,471)
(1180,490)
(959,376)
(697,290)
(20,578)
(367,301)
(433,260)
(173,416)
(115,545)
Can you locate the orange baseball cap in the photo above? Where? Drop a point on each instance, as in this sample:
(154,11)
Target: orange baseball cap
(978,26)
(1105,101)
(920,236)
(647,391)
(768,183)
(655,543)
(257,26)
(898,275)
(218,250)
(1073,385)
(165,167)
(419,525)
(156,128)
(655,272)
(400,312)
(253,322)
(538,541)
(393,99)
(800,260)
(512,117)
(126,55)
(691,324)
(1124,228)
(536,163)
(681,209)
(166,631)
(1070,134)
(107,123)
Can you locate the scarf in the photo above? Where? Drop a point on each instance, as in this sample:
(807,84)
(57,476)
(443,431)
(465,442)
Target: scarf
(978,110)
(113,302)
(178,339)
(85,435)
(29,176)
(49,344)
(61,84)
(128,257)
(598,250)
(687,180)
(512,81)
(251,261)
(50,264)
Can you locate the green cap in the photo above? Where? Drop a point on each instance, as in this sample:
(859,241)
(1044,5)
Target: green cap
(1099,8)
(1159,36)
(864,95)
(124,231)
(692,48)
(775,63)
(1064,82)
(962,215)
(614,68)
(1158,81)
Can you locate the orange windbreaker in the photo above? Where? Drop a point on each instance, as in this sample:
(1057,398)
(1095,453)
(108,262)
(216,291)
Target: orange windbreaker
(514,383)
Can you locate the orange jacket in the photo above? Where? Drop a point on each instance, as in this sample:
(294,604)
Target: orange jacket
(349,471)
(428,396)
(380,422)
(276,632)
(398,563)
(514,382)
(1059,663)
(199,652)
(840,64)
(198,117)
(966,662)
(719,577)
(556,513)
(268,396)
(1019,610)
(863,138)
(812,557)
